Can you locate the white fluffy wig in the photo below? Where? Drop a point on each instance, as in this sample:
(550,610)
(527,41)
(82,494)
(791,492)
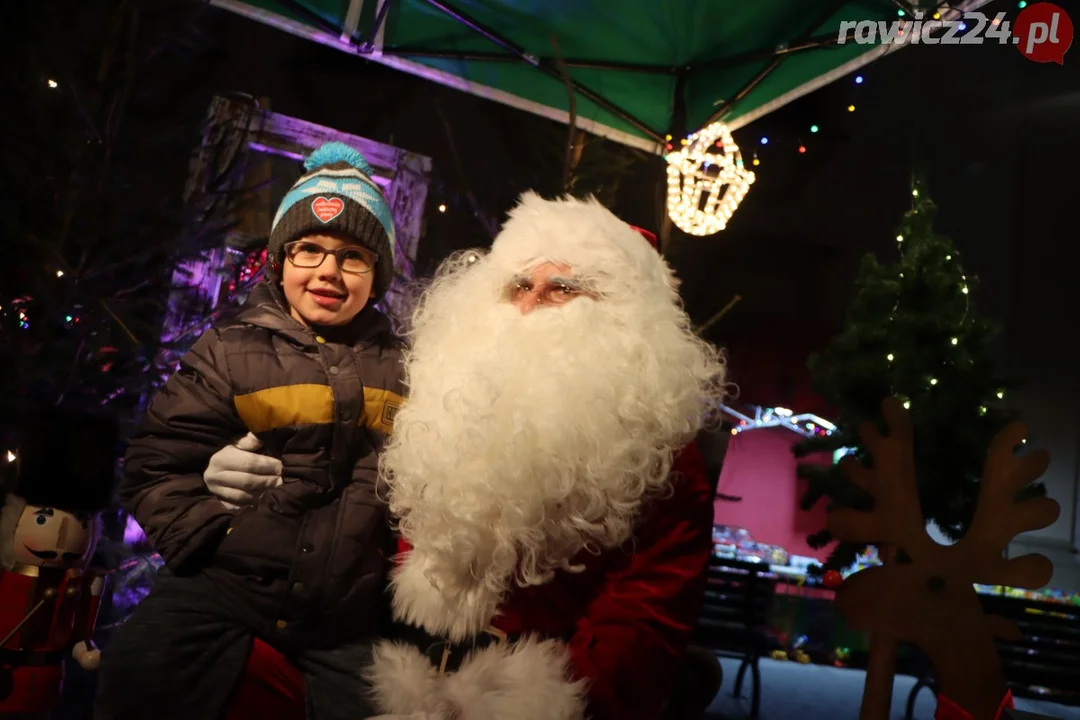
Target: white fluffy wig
(528,438)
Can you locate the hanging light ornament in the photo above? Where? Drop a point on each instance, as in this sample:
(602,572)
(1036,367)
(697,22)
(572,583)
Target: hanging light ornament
(706,181)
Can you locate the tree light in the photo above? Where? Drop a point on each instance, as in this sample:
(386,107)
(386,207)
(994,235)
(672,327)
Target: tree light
(802,149)
(982,410)
(890,357)
(1022,4)
(933,381)
(52,84)
(10,456)
(851,108)
(954,341)
(59,273)
(899,238)
(915,192)
(442,208)
(948,257)
(1001,394)
(907,404)
(764,141)
(964,290)
(814,128)
(858,79)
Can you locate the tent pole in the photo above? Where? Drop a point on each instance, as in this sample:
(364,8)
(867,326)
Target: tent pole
(503,57)
(352,20)
(678,105)
(545,67)
(818,41)
(369,43)
(728,105)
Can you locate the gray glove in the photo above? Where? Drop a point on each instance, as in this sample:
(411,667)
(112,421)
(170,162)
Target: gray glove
(237,474)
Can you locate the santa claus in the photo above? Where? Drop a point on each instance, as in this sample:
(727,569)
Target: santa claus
(554,530)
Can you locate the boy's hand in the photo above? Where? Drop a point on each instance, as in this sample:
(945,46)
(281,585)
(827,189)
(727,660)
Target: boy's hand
(237,474)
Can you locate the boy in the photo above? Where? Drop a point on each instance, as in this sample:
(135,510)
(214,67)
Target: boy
(311,368)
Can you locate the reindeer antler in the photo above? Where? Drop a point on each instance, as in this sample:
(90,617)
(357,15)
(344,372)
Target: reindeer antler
(1000,516)
(896,518)
(930,600)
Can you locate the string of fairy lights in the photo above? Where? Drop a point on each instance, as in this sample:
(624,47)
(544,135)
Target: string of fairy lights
(708,178)
(806,424)
(954,340)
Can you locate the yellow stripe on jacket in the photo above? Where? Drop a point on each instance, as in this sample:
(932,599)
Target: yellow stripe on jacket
(311,404)
(380,408)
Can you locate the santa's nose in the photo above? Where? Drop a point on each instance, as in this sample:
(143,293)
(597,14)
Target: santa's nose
(527,302)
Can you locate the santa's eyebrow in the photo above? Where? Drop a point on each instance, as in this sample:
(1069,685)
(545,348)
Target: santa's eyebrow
(44,511)
(572,283)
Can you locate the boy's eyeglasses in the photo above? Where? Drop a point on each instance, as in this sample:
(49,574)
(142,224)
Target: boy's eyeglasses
(352,260)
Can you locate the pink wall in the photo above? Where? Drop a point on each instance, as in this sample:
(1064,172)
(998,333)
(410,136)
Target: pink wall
(760,468)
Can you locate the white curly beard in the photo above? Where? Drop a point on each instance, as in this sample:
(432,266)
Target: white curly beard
(529,438)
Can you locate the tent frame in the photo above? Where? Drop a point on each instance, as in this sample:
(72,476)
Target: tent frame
(346,39)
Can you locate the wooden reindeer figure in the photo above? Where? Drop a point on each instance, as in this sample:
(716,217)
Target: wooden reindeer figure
(925,596)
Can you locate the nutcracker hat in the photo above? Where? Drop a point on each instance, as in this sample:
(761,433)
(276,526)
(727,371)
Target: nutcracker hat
(66,459)
(336,194)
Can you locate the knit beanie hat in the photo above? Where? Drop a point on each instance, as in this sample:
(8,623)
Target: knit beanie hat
(336,195)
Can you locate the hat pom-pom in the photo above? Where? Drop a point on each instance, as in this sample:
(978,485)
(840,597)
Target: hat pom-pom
(335,152)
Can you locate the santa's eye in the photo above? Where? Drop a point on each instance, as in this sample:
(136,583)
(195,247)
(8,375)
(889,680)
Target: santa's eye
(41,520)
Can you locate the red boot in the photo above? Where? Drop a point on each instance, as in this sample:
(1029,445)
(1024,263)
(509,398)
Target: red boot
(948,710)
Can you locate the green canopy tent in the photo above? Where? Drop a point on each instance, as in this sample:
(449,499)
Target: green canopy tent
(666,76)
(641,70)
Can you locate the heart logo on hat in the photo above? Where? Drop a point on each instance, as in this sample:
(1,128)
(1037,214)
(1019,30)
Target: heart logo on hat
(326,209)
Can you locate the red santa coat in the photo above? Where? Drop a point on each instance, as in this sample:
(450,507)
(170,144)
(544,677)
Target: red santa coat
(628,617)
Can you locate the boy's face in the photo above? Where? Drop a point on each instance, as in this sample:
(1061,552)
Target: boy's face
(325,295)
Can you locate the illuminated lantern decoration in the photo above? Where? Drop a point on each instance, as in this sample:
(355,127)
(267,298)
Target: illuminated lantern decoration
(706,181)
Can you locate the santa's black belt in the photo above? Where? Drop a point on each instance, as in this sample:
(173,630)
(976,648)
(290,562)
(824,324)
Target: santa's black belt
(448,656)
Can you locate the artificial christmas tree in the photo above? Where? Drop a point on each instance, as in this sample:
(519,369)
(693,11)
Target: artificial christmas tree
(105,104)
(913,332)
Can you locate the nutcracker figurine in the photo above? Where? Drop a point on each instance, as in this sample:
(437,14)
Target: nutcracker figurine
(60,477)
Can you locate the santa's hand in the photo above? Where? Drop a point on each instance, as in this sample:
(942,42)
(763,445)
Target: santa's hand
(87,656)
(237,474)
